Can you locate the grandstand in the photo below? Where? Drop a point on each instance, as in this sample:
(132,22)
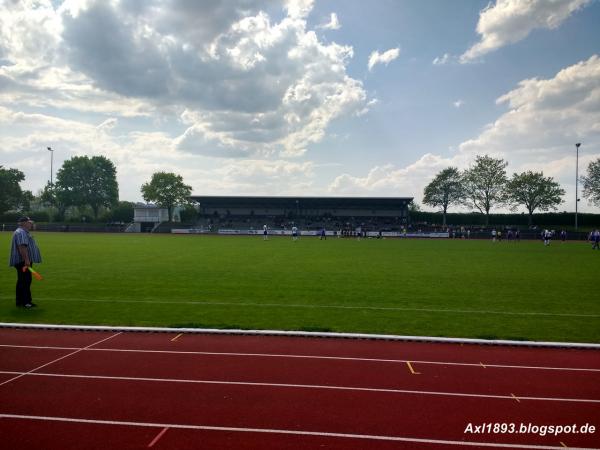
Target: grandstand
(307,213)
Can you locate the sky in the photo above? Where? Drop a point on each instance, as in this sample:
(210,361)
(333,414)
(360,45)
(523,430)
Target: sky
(300,97)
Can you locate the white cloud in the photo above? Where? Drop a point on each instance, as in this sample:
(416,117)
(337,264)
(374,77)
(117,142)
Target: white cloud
(458,103)
(383,58)
(510,21)
(387,179)
(440,61)
(333,24)
(545,119)
(250,177)
(108,125)
(299,9)
(274,87)
(29,33)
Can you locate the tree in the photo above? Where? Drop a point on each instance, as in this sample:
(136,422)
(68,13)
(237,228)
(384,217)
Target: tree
(444,190)
(188,214)
(50,198)
(122,212)
(11,195)
(25,201)
(485,183)
(534,191)
(413,207)
(83,181)
(167,190)
(591,183)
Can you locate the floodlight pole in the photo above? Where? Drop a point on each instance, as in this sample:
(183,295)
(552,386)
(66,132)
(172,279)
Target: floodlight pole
(576,180)
(51,164)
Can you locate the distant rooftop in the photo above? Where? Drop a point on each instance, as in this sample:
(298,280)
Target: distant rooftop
(290,202)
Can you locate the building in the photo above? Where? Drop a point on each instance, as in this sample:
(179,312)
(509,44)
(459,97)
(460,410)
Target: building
(309,212)
(148,216)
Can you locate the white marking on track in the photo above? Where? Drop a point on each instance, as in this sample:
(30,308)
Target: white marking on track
(59,359)
(285,432)
(325,357)
(301,386)
(157,437)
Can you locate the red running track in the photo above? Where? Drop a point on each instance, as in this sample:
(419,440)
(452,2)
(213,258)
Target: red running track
(88,390)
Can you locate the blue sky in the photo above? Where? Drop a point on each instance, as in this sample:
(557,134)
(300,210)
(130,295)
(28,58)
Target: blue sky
(300,97)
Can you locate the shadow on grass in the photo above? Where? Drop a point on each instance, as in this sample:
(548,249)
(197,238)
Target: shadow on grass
(316,329)
(208,326)
(493,337)
(213,326)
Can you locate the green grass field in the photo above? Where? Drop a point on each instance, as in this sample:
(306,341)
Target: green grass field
(454,288)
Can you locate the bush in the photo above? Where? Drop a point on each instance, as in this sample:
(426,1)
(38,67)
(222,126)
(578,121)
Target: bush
(123,212)
(39,216)
(188,214)
(10,217)
(564,219)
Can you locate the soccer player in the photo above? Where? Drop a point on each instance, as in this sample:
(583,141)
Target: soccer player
(596,239)
(294,233)
(563,235)
(547,235)
(265,232)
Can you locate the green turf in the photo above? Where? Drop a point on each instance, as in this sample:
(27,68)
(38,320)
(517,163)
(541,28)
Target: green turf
(429,287)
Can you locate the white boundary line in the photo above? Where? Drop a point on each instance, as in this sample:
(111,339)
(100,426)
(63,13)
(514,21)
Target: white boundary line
(302,386)
(22,374)
(316,306)
(286,432)
(322,357)
(389,337)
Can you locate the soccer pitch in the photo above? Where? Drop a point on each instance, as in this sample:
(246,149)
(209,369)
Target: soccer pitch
(452,288)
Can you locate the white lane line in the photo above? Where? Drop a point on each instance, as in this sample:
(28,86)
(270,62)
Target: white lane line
(334,358)
(59,359)
(360,307)
(301,386)
(286,432)
(158,436)
(300,305)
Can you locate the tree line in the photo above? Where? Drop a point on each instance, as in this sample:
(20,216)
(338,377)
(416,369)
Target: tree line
(90,183)
(485,185)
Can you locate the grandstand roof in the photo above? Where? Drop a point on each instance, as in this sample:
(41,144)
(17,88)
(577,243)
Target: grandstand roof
(303,202)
